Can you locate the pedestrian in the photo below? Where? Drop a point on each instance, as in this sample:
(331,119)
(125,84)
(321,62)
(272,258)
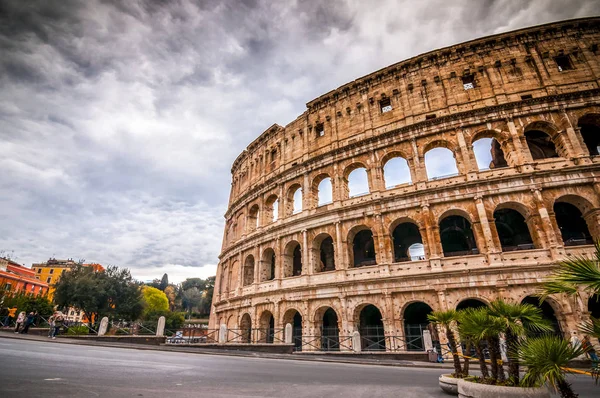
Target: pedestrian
(28,322)
(58,322)
(19,322)
(589,350)
(51,324)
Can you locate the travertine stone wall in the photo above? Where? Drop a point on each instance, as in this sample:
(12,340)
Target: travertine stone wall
(520,84)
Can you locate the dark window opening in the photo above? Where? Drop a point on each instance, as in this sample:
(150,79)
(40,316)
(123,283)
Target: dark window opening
(364,248)
(327,255)
(372,335)
(540,145)
(591,137)
(267,328)
(385,105)
(39,270)
(404,237)
(470,303)
(457,237)
(572,225)
(249,271)
(594,306)
(246,329)
(526,96)
(51,271)
(498,159)
(273,155)
(429,117)
(512,230)
(547,313)
(330,333)
(468,82)
(415,321)
(563,62)
(320,130)
(297,264)
(297,332)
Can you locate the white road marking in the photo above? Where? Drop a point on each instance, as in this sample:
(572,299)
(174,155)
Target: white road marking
(55,379)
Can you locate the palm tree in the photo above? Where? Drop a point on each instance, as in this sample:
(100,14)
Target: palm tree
(447,320)
(517,319)
(546,358)
(472,326)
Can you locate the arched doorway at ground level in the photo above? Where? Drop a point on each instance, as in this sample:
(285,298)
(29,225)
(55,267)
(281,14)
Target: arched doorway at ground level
(415,321)
(371,329)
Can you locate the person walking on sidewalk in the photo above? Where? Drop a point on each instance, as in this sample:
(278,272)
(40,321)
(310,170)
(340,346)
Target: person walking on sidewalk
(51,324)
(19,322)
(58,322)
(28,322)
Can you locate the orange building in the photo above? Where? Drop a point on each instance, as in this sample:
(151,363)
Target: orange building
(51,270)
(17,278)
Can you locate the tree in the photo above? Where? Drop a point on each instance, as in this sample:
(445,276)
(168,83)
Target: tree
(546,359)
(191,298)
(189,283)
(517,320)
(164,282)
(447,319)
(171,293)
(111,293)
(155,301)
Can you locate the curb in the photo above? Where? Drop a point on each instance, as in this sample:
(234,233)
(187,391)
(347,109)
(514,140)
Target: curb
(246,354)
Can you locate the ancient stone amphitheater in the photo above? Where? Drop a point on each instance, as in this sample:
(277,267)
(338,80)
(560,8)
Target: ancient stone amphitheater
(443,181)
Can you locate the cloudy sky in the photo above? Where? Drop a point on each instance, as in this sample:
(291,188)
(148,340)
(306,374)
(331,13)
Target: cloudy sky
(119,120)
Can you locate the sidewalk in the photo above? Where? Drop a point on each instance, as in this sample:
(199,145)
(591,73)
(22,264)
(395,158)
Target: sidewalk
(206,351)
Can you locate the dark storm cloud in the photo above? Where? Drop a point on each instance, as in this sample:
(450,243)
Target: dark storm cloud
(119,120)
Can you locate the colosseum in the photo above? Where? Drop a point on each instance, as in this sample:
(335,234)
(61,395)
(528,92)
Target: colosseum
(443,181)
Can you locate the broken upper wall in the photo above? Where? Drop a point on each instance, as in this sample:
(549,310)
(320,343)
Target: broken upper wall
(533,62)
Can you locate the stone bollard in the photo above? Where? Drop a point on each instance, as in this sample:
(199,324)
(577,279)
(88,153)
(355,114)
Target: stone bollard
(427,342)
(160,328)
(103,326)
(223,334)
(356,343)
(288,333)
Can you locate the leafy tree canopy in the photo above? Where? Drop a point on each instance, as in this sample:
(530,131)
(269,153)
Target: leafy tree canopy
(154,300)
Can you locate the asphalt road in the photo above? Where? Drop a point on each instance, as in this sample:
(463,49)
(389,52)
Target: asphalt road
(46,369)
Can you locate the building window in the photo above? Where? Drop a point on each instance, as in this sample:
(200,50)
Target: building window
(320,130)
(7,286)
(39,270)
(468,82)
(273,155)
(563,63)
(49,279)
(385,105)
(51,271)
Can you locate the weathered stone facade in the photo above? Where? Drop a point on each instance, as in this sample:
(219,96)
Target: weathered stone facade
(534,91)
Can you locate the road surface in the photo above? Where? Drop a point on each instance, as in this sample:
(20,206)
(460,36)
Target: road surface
(47,369)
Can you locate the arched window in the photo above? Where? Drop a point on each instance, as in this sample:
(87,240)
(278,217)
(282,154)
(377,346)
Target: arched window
(330,332)
(292,263)
(547,313)
(326,256)
(396,172)
(271,209)
(223,280)
(573,228)
(372,333)
(512,230)
(404,236)
(457,237)
(324,192)
(540,145)
(440,163)
(246,329)
(249,270)
(470,303)
(363,248)
(589,126)
(267,265)
(358,182)
(488,154)
(294,318)
(267,328)
(297,201)
(253,218)
(415,321)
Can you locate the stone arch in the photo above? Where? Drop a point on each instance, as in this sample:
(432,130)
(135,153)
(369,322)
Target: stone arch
(327,322)
(294,318)
(223,279)
(570,213)
(359,185)
(322,190)
(541,137)
(271,209)
(245,328)
(267,265)
(292,259)
(253,218)
(440,160)
(513,231)
(405,233)
(293,199)
(266,327)
(415,314)
(589,130)
(496,157)
(233,277)
(551,311)
(324,252)
(249,265)
(362,246)
(369,319)
(396,169)
(472,302)
(456,234)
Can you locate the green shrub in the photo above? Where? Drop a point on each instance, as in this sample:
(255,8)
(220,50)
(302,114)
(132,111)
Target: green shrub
(78,330)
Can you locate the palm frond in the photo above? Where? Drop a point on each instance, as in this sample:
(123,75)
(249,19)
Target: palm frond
(591,327)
